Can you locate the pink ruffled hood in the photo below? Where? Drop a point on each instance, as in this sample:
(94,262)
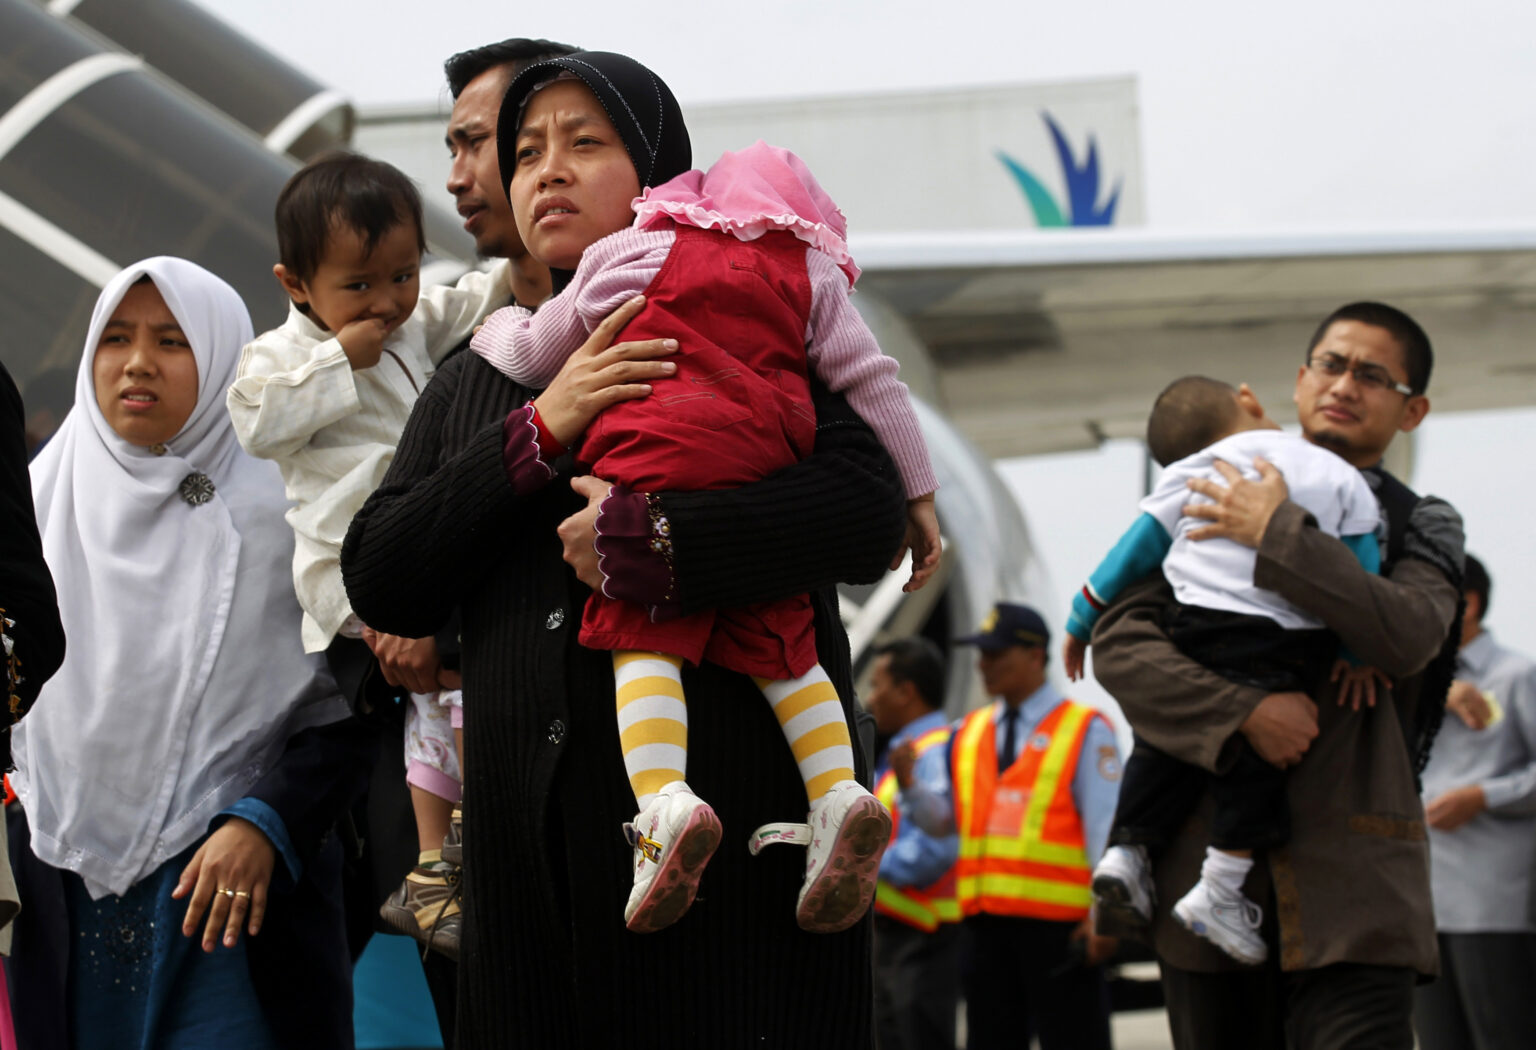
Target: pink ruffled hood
(747,193)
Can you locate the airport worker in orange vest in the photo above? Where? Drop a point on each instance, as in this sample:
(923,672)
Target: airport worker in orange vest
(917,941)
(1033,780)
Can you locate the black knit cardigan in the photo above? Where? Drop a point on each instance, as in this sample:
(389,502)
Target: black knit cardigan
(27,596)
(547,961)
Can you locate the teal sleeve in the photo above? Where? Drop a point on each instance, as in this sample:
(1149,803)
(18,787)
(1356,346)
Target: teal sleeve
(1141,550)
(1367,550)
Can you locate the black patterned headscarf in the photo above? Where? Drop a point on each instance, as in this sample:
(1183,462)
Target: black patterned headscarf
(637,101)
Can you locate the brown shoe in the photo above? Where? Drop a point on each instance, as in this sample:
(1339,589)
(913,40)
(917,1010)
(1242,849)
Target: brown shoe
(426,907)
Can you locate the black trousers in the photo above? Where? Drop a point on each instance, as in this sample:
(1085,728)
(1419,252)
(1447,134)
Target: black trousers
(383,825)
(917,986)
(1341,1007)
(1157,791)
(1485,997)
(1022,976)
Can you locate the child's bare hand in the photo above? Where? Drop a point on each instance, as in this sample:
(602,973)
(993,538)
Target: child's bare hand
(1358,683)
(1072,652)
(363,341)
(922,539)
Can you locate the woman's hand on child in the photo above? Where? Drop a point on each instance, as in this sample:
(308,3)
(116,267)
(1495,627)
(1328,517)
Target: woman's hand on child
(922,539)
(578,533)
(598,375)
(1358,683)
(228,877)
(363,341)
(1241,509)
(1072,652)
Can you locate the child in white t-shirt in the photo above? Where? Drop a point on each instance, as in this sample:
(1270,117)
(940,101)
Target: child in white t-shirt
(1243,632)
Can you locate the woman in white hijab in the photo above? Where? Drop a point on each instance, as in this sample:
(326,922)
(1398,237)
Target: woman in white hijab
(188,759)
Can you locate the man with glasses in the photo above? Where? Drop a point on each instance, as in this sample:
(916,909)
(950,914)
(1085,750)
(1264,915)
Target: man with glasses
(1350,892)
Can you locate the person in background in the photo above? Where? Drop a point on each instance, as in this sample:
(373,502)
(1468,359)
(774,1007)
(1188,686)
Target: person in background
(1480,802)
(1033,780)
(917,936)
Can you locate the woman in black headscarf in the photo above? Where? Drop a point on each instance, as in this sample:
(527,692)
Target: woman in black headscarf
(468,517)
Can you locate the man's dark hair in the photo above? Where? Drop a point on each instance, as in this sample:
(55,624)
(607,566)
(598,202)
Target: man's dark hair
(1418,357)
(916,660)
(1474,580)
(516,52)
(1188,415)
(346,191)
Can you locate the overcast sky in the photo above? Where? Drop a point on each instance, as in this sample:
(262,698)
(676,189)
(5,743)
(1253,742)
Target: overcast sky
(1305,114)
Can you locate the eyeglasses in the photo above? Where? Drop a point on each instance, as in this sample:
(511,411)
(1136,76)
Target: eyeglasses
(1369,376)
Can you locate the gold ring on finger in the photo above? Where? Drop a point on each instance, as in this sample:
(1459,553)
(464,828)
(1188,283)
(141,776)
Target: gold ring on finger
(228,893)
(241,893)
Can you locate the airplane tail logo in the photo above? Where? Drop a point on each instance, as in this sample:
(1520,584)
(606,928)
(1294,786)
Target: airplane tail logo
(1083,208)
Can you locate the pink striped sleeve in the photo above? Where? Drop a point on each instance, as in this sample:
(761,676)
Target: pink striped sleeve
(845,356)
(532,347)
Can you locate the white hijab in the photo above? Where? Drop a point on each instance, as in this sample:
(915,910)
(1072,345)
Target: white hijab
(185,674)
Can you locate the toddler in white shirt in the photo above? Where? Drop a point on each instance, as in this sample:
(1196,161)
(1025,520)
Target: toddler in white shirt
(326,396)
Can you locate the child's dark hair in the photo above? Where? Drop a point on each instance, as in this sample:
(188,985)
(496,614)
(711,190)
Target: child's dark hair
(1188,415)
(342,190)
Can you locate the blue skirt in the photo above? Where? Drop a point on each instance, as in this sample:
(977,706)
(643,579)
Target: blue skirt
(137,983)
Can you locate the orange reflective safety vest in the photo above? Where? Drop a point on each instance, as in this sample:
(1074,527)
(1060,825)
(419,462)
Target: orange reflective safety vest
(1021,837)
(927,907)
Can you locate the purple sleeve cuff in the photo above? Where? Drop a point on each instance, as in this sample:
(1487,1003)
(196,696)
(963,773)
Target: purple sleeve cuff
(526,470)
(634,552)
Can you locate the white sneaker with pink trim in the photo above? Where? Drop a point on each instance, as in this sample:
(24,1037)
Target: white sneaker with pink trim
(673,838)
(846,834)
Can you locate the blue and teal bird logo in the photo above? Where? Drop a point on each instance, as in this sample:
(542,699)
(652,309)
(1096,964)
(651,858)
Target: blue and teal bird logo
(1083,208)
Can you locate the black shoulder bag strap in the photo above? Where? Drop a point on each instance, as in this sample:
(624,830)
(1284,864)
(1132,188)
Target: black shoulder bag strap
(1422,724)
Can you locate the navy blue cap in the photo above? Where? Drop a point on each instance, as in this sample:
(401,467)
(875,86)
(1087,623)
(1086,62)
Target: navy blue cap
(1009,624)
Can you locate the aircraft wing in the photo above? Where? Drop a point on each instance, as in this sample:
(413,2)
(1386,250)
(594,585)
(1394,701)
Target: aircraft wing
(1046,341)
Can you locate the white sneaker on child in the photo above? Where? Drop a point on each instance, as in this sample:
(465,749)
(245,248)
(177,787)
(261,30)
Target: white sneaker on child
(846,834)
(1122,886)
(1229,921)
(673,838)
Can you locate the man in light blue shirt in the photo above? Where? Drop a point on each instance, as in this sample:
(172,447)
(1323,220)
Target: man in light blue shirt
(917,936)
(1480,804)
